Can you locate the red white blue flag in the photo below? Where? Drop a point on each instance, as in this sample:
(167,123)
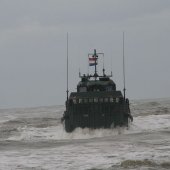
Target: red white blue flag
(92,61)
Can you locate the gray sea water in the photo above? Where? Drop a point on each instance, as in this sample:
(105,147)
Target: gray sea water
(34,139)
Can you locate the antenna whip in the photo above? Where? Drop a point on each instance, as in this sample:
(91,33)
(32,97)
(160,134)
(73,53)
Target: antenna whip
(124,89)
(67,67)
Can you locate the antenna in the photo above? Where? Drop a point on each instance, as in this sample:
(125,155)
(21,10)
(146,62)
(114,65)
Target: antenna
(124,89)
(103,66)
(67,67)
(79,73)
(111,66)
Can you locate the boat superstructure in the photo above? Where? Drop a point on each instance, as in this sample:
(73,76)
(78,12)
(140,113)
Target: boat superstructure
(96,103)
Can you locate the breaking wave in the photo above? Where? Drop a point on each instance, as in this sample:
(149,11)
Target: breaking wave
(44,123)
(37,135)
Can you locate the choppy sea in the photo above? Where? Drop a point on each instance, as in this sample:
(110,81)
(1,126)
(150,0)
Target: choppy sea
(34,139)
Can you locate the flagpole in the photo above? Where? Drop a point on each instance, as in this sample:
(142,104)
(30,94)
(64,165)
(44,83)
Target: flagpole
(95,55)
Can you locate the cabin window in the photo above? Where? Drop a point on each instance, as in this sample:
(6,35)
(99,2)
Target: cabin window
(83,89)
(90,100)
(106,99)
(95,100)
(80,100)
(114,100)
(111,100)
(117,100)
(109,88)
(101,100)
(74,101)
(85,100)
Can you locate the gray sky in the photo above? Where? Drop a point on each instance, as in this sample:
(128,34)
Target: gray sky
(33,47)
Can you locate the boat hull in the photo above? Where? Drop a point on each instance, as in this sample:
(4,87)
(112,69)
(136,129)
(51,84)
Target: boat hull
(96,115)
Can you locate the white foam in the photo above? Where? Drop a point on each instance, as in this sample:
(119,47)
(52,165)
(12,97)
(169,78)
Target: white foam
(140,124)
(150,123)
(59,133)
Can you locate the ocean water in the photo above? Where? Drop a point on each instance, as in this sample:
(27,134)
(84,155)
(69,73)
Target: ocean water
(34,139)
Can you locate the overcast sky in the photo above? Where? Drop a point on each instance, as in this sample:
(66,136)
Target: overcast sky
(33,47)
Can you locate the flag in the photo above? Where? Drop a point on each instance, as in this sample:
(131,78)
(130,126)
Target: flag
(92,61)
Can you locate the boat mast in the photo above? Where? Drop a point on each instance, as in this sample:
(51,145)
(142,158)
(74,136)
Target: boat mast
(95,56)
(67,68)
(124,89)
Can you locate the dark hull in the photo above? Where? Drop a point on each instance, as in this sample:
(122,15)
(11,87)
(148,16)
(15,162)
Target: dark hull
(96,115)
